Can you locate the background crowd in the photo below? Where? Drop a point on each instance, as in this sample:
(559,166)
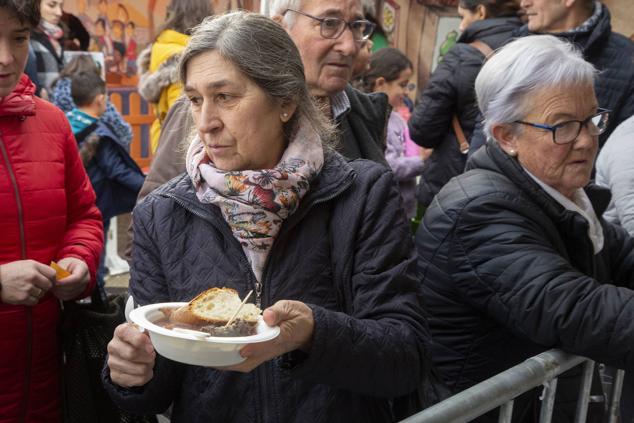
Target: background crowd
(290,159)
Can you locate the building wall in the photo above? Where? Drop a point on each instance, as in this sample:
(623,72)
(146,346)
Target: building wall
(419,32)
(622,16)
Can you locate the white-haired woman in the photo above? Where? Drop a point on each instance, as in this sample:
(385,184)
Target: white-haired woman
(515,256)
(264,207)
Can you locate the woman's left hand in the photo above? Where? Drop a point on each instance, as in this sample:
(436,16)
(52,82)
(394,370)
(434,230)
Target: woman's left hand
(72,286)
(296,323)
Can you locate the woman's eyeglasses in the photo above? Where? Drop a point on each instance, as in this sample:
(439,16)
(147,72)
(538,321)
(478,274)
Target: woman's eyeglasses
(332,28)
(567,132)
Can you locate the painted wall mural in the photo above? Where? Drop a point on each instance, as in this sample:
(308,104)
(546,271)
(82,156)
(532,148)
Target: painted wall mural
(121,28)
(118,28)
(447,33)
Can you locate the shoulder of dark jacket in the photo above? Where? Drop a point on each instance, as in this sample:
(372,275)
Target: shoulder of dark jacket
(373,107)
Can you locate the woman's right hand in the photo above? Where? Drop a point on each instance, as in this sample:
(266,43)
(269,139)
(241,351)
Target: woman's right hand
(131,356)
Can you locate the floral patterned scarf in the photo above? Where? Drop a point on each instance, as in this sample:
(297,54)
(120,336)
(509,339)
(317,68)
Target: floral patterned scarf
(256,202)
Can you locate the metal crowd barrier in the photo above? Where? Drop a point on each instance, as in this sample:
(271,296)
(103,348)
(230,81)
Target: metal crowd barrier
(501,389)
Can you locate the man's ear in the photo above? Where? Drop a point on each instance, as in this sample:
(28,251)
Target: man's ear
(280,20)
(481,11)
(505,135)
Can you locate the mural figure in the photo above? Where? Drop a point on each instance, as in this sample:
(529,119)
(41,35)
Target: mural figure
(118,62)
(450,40)
(102,41)
(132,48)
(102,8)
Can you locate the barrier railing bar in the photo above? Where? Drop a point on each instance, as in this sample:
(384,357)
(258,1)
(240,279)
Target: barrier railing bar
(499,389)
(584,393)
(506,412)
(617,389)
(548,401)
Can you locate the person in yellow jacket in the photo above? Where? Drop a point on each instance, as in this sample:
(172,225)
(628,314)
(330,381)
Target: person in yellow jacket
(158,63)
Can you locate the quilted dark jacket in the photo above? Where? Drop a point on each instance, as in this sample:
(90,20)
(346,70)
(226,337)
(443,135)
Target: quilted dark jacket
(451,92)
(613,55)
(345,252)
(509,273)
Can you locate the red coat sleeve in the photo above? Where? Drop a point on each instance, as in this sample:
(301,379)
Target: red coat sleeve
(84,226)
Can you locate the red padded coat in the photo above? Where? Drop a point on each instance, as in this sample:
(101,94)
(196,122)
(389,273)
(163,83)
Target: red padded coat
(47,212)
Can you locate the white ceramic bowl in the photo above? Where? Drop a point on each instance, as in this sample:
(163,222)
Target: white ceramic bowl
(213,351)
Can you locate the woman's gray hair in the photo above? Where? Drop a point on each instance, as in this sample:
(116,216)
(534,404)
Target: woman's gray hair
(265,54)
(514,73)
(277,7)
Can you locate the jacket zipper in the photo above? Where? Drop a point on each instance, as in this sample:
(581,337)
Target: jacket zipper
(29,315)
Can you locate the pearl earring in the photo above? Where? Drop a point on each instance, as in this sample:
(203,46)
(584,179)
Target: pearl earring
(284,115)
(512,153)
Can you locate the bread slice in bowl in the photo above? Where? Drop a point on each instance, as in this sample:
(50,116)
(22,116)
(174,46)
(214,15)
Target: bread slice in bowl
(210,311)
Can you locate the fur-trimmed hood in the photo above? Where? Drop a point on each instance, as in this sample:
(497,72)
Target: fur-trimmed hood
(158,64)
(151,84)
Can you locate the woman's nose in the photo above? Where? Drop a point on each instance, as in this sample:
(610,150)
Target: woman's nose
(209,119)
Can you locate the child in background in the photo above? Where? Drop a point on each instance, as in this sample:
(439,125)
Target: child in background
(115,177)
(389,72)
(62,98)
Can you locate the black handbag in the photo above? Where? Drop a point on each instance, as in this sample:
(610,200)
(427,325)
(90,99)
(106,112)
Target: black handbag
(86,330)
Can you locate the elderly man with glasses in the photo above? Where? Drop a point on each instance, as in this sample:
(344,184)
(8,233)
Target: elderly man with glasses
(329,35)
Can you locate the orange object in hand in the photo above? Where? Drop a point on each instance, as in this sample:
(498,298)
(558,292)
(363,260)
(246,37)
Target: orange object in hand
(60,272)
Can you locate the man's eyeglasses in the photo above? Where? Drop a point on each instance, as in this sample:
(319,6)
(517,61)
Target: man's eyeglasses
(567,132)
(332,28)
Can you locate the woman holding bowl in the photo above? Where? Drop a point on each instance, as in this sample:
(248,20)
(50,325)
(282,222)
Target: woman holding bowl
(267,206)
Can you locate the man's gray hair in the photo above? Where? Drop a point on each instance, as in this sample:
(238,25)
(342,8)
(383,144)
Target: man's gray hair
(277,7)
(514,73)
(264,53)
